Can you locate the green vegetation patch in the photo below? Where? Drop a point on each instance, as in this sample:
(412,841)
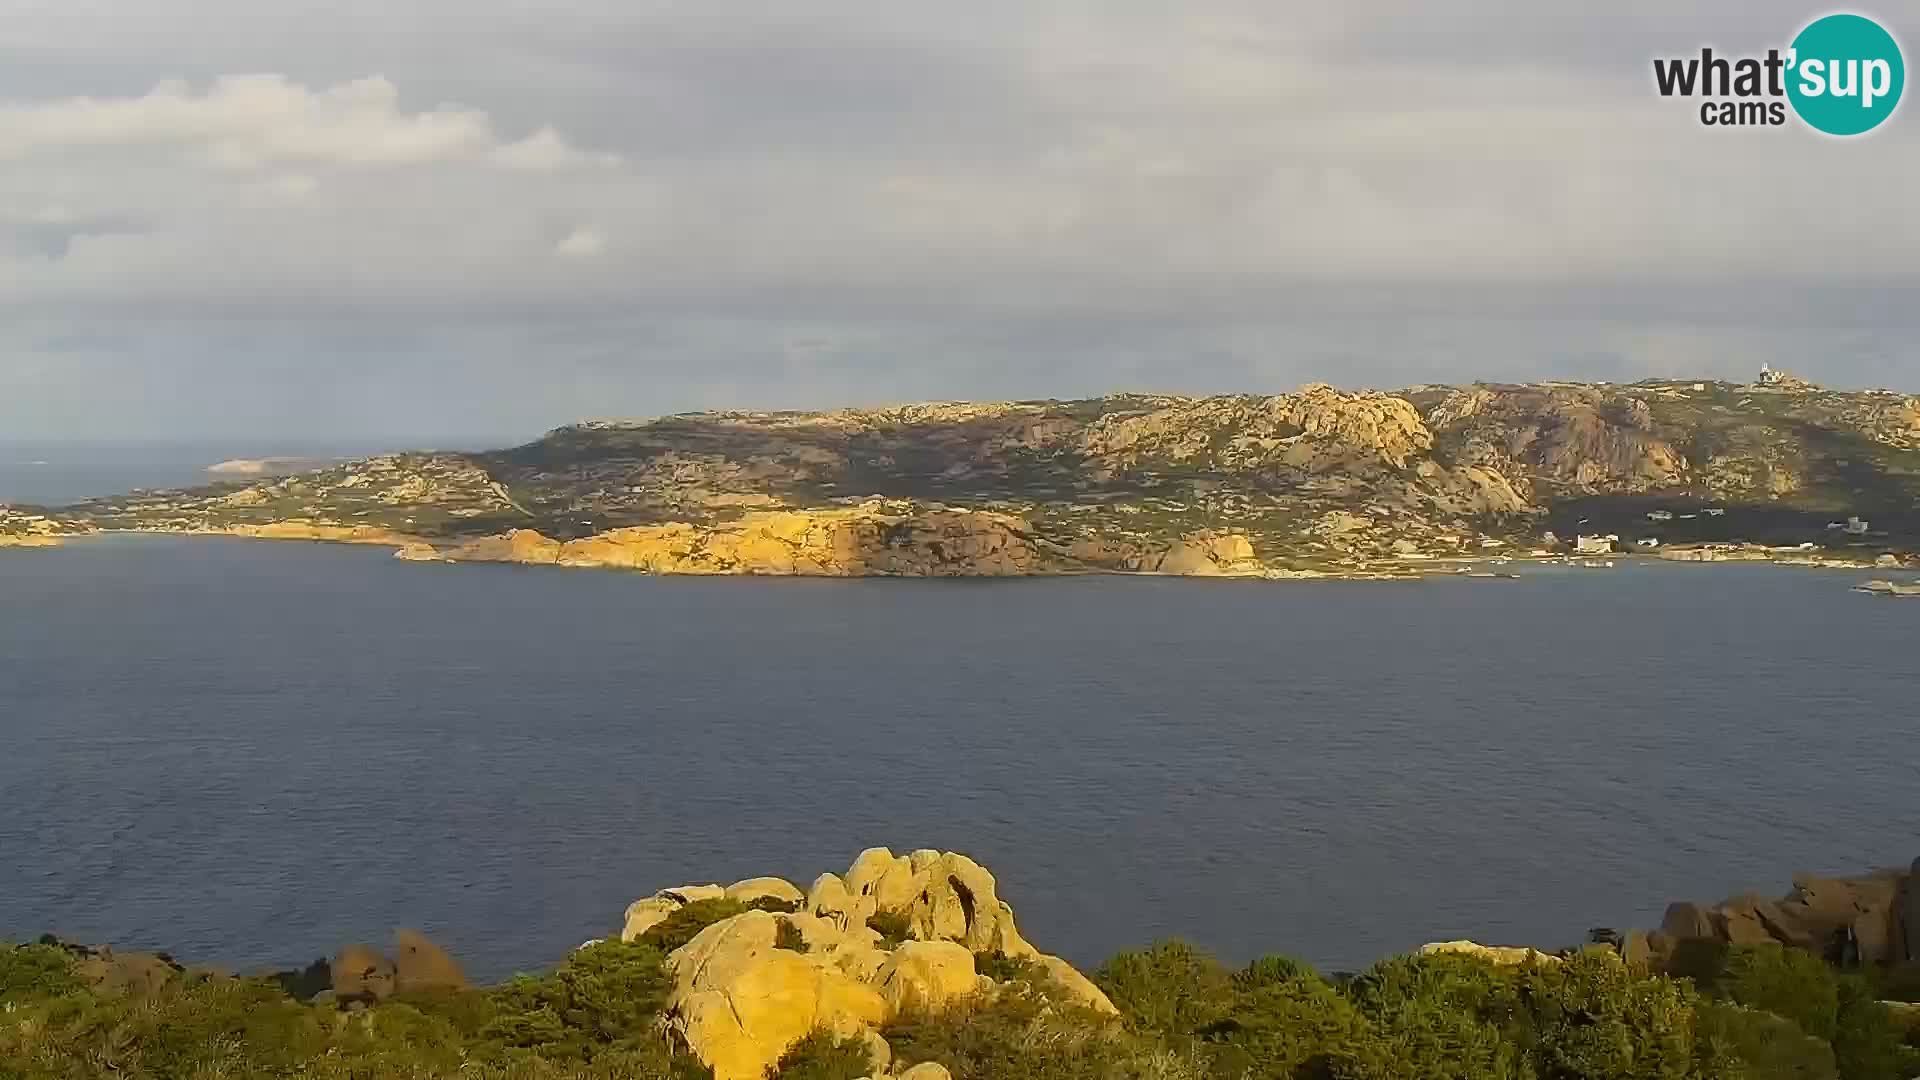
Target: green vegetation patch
(1759,1013)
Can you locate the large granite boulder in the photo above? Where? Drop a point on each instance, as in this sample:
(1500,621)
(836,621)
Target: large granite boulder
(1864,920)
(110,972)
(419,964)
(765,888)
(740,1001)
(750,986)
(925,974)
(1497,955)
(1686,921)
(1740,922)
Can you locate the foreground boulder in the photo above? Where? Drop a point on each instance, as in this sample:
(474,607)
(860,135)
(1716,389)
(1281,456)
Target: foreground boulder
(748,987)
(740,1000)
(362,973)
(419,964)
(109,972)
(1867,921)
(645,914)
(1497,955)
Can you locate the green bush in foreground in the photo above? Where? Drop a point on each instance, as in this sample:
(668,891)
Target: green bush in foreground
(1763,1015)
(1024,1036)
(892,926)
(821,1056)
(1770,1047)
(31,971)
(1838,1009)
(1786,982)
(595,1015)
(685,924)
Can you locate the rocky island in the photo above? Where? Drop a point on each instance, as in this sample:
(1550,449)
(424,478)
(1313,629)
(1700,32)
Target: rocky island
(1317,482)
(911,967)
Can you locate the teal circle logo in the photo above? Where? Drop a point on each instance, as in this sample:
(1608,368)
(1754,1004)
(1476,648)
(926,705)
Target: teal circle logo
(1846,74)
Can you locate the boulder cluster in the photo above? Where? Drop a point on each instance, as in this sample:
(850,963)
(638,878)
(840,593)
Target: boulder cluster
(749,987)
(361,973)
(1859,921)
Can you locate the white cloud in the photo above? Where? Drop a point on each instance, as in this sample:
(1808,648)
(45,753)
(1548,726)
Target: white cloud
(253,121)
(295,185)
(583,242)
(545,150)
(965,186)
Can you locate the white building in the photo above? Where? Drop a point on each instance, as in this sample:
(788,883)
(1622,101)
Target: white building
(1857,526)
(1596,545)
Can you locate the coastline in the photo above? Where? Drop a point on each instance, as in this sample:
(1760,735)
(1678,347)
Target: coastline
(1405,568)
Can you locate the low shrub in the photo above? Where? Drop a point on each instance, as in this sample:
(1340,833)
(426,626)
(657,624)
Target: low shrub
(35,971)
(1025,1037)
(893,927)
(788,936)
(1769,1047)
(1786,982)
(1183,1016)
(1868,1044)
(1900,982)
(824,1056)
(685,924)
(605,995)
(1002,968)
(1171,988)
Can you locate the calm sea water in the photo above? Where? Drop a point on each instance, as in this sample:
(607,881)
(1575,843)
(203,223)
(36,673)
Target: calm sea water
(55,474)
(56,481)
(249,752)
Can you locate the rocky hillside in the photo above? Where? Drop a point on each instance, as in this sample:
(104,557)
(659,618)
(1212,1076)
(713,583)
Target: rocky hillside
(1321,480)
(27,528)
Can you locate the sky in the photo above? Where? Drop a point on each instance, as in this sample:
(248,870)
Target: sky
(455,220)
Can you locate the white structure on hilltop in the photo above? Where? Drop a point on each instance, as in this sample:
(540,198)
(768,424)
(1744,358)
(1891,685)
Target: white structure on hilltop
(1777,379)
(1857,526)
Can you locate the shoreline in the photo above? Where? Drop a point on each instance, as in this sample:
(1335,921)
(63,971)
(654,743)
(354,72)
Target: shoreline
(1405,568)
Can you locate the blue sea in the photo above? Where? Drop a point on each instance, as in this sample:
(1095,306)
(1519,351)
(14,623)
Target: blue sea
(251,752)
(57,474)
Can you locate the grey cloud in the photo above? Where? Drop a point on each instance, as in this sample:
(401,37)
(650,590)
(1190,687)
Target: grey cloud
(51,236)
(533,213)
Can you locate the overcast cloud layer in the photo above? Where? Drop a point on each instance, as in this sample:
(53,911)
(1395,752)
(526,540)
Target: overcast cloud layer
(441,220)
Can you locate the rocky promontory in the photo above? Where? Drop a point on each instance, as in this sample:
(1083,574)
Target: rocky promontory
(874,538)
(1321,481)
(29,529)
